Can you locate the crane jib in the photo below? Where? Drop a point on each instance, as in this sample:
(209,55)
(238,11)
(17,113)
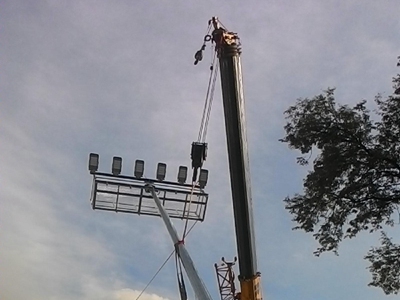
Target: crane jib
(233,101)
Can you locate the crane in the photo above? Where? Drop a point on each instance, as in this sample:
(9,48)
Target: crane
(227,47)
(131,194)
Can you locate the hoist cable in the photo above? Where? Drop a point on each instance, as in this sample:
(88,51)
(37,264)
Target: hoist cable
(208,101)
(199,138)
(162,266)
(208,29)
(188,210)
(155,275)
(222,25)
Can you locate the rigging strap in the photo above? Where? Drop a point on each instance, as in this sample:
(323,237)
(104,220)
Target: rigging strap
(188,210)
(179,275)
(162,266)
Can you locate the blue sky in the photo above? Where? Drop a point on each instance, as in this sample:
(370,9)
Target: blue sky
(117,78)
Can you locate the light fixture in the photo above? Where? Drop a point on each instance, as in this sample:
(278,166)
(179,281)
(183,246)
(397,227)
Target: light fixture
(93,162)
(116,165)
(203,178)
(182,174)
(161,170)
(139,168)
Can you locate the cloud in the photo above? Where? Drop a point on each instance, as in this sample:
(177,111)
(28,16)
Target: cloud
(128,294)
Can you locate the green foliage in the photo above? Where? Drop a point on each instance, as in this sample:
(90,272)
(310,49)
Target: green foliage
(385,266)
(354,184)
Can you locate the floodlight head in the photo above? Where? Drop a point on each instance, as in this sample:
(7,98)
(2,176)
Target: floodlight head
(116,165)
(93,162)
(161,170)
(203,178)
(182,174)
(139,168)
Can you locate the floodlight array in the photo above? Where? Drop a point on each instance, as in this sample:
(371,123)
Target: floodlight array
(138,170)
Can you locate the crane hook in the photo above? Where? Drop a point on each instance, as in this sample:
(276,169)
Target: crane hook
(199,54)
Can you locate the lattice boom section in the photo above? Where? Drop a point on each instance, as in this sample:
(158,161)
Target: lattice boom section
(131,197)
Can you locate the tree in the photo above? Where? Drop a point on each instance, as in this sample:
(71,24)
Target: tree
(354,184)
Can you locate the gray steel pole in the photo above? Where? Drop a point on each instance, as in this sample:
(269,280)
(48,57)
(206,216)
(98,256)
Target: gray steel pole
(199,288)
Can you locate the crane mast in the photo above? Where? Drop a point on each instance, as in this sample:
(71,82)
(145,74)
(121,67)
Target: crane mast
(228,51)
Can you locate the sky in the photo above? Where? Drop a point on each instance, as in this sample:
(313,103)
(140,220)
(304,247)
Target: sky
(117,78)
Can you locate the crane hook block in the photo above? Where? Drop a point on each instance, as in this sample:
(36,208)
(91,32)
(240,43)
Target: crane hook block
(198,56)
(198,156)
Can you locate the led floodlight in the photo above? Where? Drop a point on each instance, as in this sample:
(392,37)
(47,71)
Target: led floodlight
(161,170)
(182,174)
(116,165)
(139,168)
(93,162)
(203,178)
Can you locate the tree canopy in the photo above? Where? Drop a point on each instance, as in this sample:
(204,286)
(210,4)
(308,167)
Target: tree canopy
(354,183)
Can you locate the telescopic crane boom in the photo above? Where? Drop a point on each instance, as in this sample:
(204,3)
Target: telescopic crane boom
(228,50)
